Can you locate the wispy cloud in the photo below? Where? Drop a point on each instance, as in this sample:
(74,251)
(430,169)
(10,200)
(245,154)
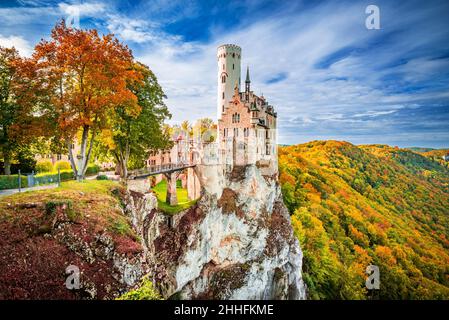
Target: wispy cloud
(325,73)
(89,9)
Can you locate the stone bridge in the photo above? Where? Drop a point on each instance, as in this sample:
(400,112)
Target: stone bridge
(171,172)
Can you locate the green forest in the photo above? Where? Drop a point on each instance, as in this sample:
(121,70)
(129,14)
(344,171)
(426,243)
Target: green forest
(353,206)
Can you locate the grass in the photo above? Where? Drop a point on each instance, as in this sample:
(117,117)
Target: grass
(91,200)
(183,200)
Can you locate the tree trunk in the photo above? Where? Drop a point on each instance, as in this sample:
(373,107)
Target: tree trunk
(89,152)
(83,160)
(7,163)
(68,143)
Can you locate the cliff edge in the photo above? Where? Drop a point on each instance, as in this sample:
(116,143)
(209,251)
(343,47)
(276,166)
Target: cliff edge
(235,243)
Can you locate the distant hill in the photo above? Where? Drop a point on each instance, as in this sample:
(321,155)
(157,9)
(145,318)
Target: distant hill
(419,149)
(353,206)
(437,155)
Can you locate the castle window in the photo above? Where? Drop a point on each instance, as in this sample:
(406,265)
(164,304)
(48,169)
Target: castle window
(267,147)
(222,108)
(236,132)
(233,55)
(246,132)
(223,79)
(223,95)
(223,66)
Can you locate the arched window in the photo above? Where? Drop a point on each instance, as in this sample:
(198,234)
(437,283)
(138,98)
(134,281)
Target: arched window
(238,117)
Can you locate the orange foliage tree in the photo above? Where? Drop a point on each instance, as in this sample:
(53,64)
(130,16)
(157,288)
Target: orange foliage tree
(86,77)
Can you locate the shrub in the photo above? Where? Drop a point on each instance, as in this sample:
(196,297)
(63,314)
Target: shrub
(146,291)
(46,178)
(92,170)
(12,182)
(102,177)
(63,165)
(44,166)
(52,206)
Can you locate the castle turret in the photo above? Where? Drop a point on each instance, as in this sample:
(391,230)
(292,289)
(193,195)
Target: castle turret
(247,85)
(229,57)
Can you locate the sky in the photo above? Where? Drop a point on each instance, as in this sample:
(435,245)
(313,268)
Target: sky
(326,74)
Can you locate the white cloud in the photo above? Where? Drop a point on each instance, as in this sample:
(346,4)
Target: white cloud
(135,30)
(17,42)
(87,9)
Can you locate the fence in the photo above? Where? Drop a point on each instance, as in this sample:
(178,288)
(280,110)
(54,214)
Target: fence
(19,181)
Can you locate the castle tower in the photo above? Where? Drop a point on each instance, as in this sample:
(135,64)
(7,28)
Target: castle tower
(228,76)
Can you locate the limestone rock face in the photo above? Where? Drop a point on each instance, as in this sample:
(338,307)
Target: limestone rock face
(235,243)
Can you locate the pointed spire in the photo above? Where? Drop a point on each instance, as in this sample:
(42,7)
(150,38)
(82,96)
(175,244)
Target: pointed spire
(247,75)
(247,84)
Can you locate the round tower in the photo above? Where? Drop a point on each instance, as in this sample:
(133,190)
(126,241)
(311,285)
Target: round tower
(229,57)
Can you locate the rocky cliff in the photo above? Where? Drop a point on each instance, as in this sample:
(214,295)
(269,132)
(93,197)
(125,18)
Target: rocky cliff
(235,243)
(81,225)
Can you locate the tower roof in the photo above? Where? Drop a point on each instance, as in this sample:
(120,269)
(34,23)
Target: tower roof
(247,75)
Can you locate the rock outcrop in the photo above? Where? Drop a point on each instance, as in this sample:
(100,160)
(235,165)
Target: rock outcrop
(44,239)
(235,243)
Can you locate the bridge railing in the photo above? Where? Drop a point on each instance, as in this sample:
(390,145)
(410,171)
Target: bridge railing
(157,169)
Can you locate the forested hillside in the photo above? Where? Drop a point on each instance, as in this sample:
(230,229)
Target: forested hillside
(353,206)
(437,155)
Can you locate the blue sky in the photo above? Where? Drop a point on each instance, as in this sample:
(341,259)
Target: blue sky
(326,74)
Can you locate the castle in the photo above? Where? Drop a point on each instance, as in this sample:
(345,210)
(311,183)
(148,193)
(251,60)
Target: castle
(246,122)
(245,135)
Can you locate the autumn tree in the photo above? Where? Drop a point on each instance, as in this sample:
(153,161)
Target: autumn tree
(87,77)
(206,128)
(18,122)
(137,131)
(187,127)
